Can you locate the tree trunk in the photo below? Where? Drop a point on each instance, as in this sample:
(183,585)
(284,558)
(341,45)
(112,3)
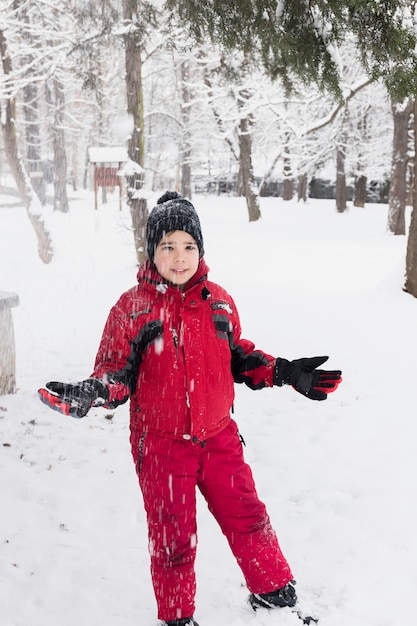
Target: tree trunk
(302,187)
(136,149)
(399,164)
(361,184)
(411,257)
(341,192)
(288,189)
(186,189)
(74,165)
(139,213)
(245,161)
(133,62)
(288,186)
(185,118)
(34,156)
(60,157)
(31,115)
(17,168)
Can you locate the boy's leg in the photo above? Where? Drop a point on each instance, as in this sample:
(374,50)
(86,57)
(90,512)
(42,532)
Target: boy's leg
(167,475)
(227,484)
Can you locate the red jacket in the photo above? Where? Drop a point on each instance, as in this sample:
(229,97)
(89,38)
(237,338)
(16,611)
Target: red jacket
(177,354)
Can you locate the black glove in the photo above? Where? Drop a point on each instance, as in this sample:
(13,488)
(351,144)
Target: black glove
(74,400)
(305,378)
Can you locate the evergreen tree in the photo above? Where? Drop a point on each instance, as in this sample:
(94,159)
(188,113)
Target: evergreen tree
(300,38)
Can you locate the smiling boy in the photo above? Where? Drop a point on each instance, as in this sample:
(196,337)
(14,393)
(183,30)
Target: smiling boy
(172,345)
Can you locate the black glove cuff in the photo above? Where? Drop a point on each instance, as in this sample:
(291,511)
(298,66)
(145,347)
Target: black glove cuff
(282,372)
(96,386)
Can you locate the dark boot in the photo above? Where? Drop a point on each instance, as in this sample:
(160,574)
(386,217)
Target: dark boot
(286,596)
(184,621)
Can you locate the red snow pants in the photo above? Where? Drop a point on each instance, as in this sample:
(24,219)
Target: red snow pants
(169,472)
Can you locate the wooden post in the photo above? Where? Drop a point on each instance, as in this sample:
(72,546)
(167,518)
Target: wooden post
(8,300)
(95,186)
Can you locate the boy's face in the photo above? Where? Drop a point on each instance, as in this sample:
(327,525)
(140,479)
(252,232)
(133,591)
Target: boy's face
(177,257)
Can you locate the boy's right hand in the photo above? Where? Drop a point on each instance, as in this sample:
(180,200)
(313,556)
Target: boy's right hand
(73,399)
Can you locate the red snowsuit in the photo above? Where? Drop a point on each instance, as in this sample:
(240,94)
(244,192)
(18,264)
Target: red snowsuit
(177,355)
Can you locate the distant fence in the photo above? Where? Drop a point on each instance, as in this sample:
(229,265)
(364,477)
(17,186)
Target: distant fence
(378,191)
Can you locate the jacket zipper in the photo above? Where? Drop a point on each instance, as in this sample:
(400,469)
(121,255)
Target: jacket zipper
(141,447)
(175,338)
(187,395)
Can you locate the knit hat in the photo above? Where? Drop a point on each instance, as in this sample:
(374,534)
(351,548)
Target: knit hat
(172,212)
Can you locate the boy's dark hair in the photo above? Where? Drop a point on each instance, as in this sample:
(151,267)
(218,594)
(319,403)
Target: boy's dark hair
(172,212)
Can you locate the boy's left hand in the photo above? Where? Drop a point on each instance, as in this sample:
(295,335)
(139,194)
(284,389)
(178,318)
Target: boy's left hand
(304,376)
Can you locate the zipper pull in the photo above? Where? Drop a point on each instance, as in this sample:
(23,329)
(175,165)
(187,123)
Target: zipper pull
(175,339)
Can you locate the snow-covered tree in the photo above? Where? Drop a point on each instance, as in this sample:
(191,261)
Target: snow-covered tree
(15,160)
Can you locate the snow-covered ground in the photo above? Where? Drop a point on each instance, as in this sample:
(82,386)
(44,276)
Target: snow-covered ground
(339,477)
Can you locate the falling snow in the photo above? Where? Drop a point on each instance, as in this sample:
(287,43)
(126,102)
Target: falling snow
(338,477)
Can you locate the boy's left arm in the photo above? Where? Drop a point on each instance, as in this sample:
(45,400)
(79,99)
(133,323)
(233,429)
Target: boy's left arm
(306,377)
(257,370)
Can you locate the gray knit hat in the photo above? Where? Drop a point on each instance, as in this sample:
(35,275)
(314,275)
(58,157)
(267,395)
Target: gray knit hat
(172,212)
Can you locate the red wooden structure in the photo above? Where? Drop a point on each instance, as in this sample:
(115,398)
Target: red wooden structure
(108,162)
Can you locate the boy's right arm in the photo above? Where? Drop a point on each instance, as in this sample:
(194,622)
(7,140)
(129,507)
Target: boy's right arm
(107,384)
(74,399)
